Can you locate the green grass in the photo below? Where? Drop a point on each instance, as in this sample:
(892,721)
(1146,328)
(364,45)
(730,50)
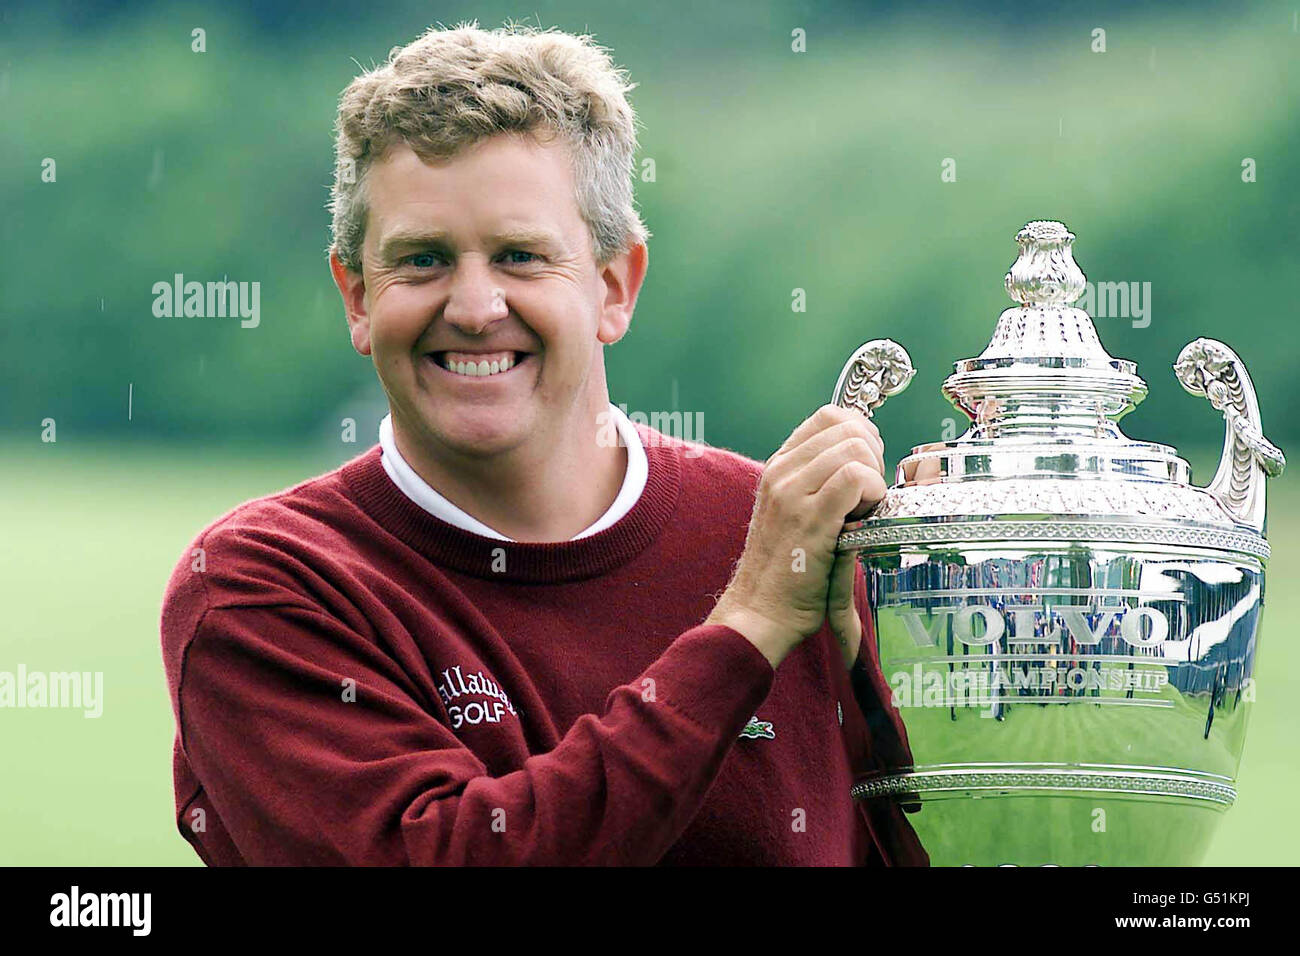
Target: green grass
(90,536)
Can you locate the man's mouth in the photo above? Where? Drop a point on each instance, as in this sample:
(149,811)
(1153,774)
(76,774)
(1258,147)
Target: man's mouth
(479,364)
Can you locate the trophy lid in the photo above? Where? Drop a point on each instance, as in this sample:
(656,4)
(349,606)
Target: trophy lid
(1044,397)
(1044,400)
(1044,371)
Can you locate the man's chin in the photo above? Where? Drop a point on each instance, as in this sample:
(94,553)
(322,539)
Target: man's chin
(479,436)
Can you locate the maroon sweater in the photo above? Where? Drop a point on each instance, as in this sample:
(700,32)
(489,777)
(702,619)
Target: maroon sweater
(355,681)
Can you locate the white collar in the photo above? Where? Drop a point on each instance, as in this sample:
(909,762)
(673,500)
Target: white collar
(419,491)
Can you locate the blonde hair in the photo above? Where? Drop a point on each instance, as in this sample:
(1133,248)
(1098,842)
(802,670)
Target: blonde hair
(452,88)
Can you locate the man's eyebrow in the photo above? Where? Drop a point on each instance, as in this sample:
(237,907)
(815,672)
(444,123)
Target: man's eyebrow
(526,236)
(522,236)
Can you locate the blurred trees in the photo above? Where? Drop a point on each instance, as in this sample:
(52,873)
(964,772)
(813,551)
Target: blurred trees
(773,172)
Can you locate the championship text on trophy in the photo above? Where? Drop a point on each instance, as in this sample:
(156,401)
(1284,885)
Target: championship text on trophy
(1068,626)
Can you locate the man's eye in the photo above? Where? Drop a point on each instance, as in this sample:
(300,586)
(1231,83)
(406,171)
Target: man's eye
(423,260)
(519,252)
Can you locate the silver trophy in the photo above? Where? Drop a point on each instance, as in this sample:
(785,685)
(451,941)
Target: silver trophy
(1067,625)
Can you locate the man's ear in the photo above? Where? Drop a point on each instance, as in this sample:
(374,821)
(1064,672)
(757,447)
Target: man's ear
(622,278)
(352,286)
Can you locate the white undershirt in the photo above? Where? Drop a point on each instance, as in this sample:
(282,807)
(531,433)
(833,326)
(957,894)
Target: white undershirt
(419,491)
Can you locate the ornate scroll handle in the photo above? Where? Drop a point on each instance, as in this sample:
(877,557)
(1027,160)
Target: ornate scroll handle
(1209,368)
(878,369)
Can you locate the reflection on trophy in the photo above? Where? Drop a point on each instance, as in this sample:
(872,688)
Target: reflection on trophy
(1068,625)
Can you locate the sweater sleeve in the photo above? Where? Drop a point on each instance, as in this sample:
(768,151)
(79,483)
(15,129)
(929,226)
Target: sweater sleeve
(887,745)
(872,691)
(314,751)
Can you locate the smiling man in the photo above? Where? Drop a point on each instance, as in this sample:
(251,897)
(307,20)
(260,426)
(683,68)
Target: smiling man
(497,637)
(494,409)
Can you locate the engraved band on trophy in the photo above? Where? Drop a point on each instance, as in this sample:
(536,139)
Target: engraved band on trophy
(1068,626)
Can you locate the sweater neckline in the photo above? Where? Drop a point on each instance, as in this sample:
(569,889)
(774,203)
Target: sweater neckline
(522,561)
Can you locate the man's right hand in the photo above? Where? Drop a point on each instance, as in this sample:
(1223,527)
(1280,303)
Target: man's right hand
(828,471)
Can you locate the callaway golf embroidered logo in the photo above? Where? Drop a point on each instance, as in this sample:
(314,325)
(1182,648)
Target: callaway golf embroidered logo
(759,728)
(491,709)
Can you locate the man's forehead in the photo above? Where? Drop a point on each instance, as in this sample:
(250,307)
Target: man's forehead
(532,203)
(508,169)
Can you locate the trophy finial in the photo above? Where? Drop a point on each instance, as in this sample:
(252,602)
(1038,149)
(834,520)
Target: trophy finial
(1045,272)
(1044,363)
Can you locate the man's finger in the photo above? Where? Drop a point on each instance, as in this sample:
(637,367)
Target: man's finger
(800,455)
(820,420)
(851,491)
(839,598)
(809,479)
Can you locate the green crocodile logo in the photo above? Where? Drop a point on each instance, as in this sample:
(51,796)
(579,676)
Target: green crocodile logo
(759,728)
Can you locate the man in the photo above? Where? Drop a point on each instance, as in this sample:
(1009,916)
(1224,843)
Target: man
(497,637)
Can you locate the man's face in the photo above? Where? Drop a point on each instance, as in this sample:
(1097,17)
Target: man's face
(480,300)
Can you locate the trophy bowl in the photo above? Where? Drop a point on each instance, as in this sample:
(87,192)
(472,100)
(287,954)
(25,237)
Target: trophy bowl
(1067,625)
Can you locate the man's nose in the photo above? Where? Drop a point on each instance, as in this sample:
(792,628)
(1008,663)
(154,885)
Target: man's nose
(476,299)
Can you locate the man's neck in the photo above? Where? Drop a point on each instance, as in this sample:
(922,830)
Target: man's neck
(541,491)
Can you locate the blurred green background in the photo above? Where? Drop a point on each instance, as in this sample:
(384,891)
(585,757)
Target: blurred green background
(774,171)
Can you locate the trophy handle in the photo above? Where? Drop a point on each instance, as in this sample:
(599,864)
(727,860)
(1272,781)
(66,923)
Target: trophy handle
(1211,369)
(878,369)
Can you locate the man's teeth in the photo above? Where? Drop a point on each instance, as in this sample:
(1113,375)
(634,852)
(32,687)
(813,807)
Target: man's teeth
(475,365)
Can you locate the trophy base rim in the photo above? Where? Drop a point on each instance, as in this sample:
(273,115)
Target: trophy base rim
(887,534)
(941,781)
